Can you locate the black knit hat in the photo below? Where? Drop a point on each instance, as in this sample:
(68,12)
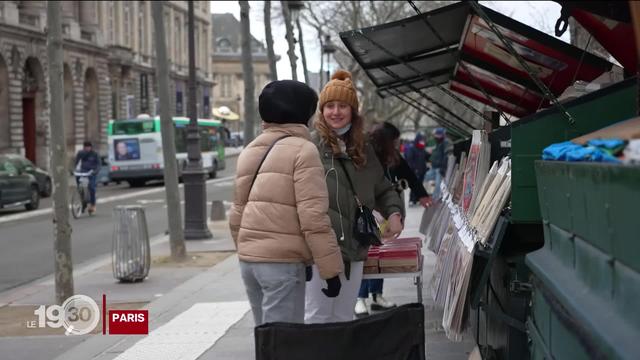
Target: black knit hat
(287,102)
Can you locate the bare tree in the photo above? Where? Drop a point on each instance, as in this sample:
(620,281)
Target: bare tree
(332,18)
(247,74)
(269,38)
(304,57)
(290,40)
(176,234)
(321,47)
(62,229)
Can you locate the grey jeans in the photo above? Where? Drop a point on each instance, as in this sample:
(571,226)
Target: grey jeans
(275,291)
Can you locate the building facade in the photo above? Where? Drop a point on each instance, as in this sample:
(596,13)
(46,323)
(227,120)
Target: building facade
(109,69)
(227,65)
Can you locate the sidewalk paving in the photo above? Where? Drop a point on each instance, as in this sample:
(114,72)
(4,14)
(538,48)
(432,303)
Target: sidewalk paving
(222,330)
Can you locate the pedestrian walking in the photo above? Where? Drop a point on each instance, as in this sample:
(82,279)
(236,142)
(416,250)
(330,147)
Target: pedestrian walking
(439,159)
(356,182)
(279,219)
(385,139)
(417,159)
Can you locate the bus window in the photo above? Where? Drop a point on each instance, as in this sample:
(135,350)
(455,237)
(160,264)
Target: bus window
(205,142)
(181,139)
(133,127)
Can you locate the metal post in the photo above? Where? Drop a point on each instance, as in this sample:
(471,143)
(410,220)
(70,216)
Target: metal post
(195,190)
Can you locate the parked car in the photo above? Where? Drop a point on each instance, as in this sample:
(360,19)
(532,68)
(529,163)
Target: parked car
(42,177)
(17,185)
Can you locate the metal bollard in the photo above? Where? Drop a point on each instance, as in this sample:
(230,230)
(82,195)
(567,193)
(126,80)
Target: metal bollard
(217,211)
(130,252)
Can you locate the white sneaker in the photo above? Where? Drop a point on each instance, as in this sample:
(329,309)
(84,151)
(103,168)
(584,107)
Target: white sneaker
(361,307)
(378,302)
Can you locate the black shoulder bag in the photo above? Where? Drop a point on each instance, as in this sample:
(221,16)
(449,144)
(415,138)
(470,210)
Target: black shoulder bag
(262,161)
(365,227)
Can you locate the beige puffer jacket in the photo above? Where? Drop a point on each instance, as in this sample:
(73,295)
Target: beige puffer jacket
(285,218)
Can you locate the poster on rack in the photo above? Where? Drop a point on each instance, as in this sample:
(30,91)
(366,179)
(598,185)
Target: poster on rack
(470,171)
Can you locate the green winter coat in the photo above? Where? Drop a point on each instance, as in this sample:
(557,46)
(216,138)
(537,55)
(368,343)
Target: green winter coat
(374,191)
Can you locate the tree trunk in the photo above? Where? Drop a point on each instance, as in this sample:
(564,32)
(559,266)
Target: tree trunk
(58,165)
(292,46)
(267,32)
(304,57)
(176,234)
(321,61)
(247,74)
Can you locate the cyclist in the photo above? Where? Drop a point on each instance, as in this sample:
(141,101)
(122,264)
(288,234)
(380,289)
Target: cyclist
(88,160)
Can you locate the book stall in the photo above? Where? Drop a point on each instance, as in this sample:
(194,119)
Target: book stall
(473,197)
(538,196)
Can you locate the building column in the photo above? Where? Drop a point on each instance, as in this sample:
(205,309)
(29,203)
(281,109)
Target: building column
(104,103)
(77,70)
(15,110)
(89,16)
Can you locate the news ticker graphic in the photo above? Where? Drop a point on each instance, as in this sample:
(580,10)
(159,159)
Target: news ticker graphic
(80,314)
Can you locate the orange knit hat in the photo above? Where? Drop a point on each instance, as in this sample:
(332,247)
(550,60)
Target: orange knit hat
(340,88)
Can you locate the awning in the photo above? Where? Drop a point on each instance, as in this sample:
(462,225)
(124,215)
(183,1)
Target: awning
(453,48)
(224,113)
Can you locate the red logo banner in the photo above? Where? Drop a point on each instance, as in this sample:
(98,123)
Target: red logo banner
(128,322)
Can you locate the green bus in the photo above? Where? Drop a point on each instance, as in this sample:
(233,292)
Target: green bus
(135,148)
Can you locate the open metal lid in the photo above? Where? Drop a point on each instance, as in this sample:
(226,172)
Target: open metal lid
(454,48)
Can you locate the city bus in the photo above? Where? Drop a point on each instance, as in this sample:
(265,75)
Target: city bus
(135,148)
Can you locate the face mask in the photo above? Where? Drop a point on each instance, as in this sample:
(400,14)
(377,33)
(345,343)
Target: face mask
(342,130)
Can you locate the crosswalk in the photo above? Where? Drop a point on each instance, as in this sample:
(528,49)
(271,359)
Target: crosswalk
(190,334)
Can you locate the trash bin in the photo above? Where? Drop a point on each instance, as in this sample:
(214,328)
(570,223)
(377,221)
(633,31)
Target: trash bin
(130,253)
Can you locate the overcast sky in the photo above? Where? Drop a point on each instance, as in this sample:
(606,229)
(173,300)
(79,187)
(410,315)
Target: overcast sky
(541,15)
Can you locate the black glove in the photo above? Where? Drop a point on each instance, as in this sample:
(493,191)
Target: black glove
(333,287)
(308,273)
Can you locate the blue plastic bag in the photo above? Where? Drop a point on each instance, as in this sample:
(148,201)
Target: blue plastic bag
(606,143)
(568,151)
(559,151)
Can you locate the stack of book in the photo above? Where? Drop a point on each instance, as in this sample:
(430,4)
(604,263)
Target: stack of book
(394,256)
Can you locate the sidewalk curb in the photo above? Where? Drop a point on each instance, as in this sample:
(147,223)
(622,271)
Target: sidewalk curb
(161,311)
(12,295)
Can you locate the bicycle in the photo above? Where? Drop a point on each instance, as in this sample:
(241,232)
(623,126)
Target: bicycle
(81,197)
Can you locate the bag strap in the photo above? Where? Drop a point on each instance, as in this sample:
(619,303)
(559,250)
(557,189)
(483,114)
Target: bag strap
(353,189)
(261,162)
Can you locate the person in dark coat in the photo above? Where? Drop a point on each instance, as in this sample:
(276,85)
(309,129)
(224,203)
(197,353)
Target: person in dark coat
(417,158)
(385,139)
(89,160)
(439,158)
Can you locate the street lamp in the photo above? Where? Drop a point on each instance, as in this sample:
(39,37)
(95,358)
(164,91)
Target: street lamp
(239,100)
(327,49)
(294,8)
(195,191)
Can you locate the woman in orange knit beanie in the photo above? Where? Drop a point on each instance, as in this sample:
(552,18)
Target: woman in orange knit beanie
(347,159)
